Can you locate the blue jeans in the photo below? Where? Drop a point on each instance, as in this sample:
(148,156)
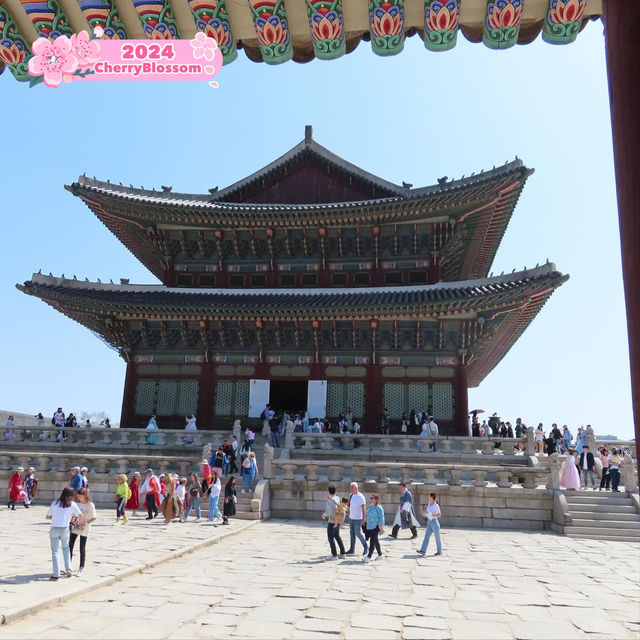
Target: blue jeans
(433,526)
(274,440)
(355,531)
(195,502)
(60,534)
(587,473)
(247,480)
(213,508)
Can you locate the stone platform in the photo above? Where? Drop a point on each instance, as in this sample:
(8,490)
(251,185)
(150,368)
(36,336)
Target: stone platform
(272,581)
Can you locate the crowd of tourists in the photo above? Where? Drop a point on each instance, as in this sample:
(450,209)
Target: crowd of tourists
(60,422)
(366,522)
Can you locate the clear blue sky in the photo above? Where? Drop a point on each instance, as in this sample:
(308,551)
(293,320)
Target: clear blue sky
(412,117)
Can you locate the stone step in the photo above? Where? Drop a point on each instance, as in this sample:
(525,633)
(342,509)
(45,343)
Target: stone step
(596,498)
(621,538)
(606,515)
(591,508)
(618,524)
(614,529)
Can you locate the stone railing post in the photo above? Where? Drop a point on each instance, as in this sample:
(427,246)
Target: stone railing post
(43,463)
(289,471)
(288,435)
(591,440)
(327,442)
(383,474)
(446,446)
(479,478)
(406,444)
(122,465)
(101,465)
(267,462)
(529,444)
(487,447)
(455,477)
(628,475)
(358,474)
(555,471)
(335,473)
(530,479)
(124,436)
(311,474)
(385,444)
(106,436)
(468,447)
(504,479)
(430,474)
(5,463)
(308,441)
(237,431)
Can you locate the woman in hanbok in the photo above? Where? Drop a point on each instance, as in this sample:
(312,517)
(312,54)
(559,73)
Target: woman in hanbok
(10,433)
(152,426)
(169,506)
(190,426)
(133,503)
(569,476)
(15,488)
(30,486)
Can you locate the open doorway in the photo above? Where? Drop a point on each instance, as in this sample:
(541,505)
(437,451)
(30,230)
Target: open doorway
(289,395)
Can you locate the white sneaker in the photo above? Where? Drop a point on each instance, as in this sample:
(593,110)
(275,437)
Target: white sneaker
(80,570)
(332,557)
(366,558)
(380,557)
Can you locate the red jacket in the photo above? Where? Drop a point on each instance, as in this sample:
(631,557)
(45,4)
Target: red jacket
(15,486)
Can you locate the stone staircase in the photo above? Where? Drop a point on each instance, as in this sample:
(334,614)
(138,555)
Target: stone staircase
(602,516)
(252,505)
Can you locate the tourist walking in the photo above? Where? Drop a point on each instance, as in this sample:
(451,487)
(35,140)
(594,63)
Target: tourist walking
(405,515)
(357,519)
(84,477)
(615,460)
(152,426)
(88,510)
(40,419)
(75,482)
(432,430)
(62,512)
(539,438)
(30,484)
(193,497)
(214,496)
(374,526)
(588,467)
(569,476)
(566,439)
(58,422)
(181,497)
(230,500)
(335,517)
(603,454)
(206,477)
(249,472)
(169,506)
(432,513)
(15,488)
(10,433)
(218,461)
(133,503)
(151,490)
(233,455)
(123,493)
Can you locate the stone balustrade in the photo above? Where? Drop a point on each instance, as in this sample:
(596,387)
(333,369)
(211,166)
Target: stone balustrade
(98,463)
(428,474)
(374,443)
(99,437)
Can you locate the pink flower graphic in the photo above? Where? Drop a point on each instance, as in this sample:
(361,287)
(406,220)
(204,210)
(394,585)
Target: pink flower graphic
(98,31)
(203,46)
(52,60)
(87,51)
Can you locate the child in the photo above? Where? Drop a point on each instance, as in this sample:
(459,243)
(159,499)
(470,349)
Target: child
(181,495)
(123,493)
(85,504)
(374,526)
(341,512)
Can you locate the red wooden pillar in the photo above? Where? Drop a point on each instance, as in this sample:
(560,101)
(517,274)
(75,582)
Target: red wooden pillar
(461,407)
(129,397)
(622,40)
(434,269)
(372,399)
(205,396)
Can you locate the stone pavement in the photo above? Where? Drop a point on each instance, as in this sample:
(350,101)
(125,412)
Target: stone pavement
(271,581)
(113,552)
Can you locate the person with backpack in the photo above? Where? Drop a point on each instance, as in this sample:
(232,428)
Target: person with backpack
(249,472)
(335,516)
(218,461)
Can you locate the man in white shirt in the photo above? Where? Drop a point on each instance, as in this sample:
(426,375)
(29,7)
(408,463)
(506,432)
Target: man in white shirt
(357,519)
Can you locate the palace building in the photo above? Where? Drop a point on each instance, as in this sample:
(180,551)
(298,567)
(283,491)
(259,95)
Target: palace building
(310,284)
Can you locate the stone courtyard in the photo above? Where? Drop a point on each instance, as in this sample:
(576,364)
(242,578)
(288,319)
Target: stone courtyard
(270,579)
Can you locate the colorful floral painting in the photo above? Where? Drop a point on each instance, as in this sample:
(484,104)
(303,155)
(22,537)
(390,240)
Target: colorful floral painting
(386,26)
(157,19)
(104,14)
(441,24)
(48,18)
(562,20)
(502,23)
(327,28)
(13,49)
(272,29)
(213,20)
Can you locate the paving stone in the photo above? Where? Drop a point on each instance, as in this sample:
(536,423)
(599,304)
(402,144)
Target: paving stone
(414,633)
(360,633)
(372,621)
(540,630)
(219,619)
(425,622)
(328,614)
(316,624)
(599,624)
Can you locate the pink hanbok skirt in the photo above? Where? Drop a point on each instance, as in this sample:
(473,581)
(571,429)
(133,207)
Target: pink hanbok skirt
(569,476)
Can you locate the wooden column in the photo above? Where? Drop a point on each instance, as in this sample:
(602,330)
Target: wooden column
(129,397)
(461,407)
(622,41)
(434,269)
(205,396)
(373,399)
